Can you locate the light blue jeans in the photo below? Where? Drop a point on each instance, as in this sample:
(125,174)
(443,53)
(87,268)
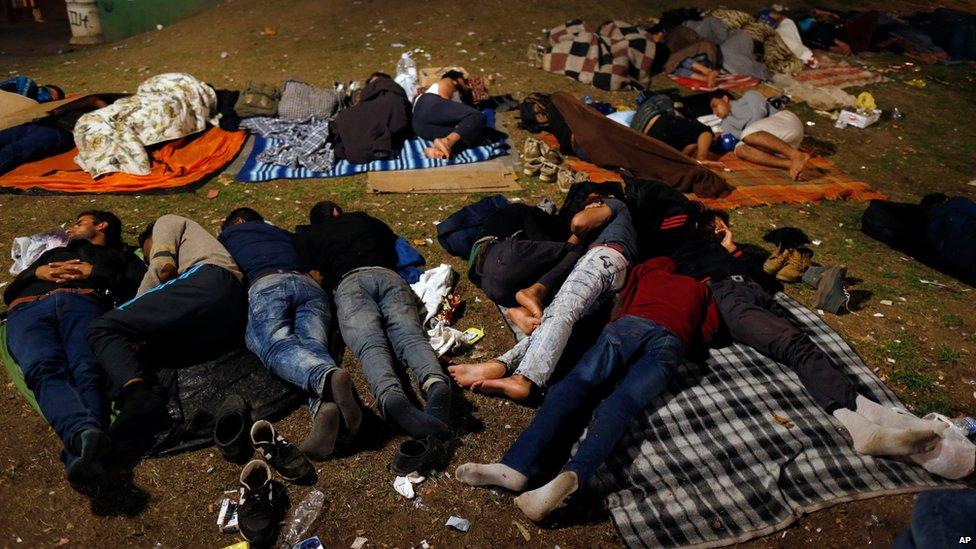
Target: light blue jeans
(377,310)
(287,328)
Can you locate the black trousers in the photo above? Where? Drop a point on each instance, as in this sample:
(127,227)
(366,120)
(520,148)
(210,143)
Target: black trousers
(512,264)
(754,318)
(434,117)
(204,305)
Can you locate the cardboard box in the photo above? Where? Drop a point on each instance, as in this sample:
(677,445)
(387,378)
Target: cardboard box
(856,119)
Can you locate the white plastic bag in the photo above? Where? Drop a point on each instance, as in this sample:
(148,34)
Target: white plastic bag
(954,457)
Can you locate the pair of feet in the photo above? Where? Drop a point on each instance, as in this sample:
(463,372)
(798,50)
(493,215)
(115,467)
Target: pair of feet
(797,164)
(528,315)
(432,421)
(442,149)
(536,504)
(339,405)
(490,378)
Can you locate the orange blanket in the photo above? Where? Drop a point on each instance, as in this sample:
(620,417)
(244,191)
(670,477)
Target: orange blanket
(176,164)
(757,185)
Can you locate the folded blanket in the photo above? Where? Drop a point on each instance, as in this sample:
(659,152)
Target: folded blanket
(297,143)
(736,449)
(616,56)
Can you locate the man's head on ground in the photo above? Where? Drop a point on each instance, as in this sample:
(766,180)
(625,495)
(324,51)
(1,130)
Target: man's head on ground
(721,103)
(98,227)
(324,210)
(56,92)
(145,241)
(241,215)
(713,224)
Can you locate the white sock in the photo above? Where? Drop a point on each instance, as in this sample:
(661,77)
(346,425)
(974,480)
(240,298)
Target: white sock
(876,440)
(538,503)
(491,474)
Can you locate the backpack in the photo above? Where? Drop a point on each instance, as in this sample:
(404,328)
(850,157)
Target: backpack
(258,100)
(534,112)
(897,224)
(458,233)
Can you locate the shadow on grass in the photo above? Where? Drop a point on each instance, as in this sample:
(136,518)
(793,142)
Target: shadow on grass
(115,495)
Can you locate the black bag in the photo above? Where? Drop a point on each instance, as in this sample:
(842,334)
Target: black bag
(534,112)
(458,233)
(897,224)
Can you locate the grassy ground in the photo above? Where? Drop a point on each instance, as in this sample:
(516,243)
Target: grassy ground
(923,345)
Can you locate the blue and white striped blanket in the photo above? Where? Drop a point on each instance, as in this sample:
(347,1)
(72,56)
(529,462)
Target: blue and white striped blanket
(411,158)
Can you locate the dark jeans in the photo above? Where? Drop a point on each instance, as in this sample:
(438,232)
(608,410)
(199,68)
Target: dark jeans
(754,318)
(376,309)
(287,328)
(47,338)
(941,518)
(205,305)
(27,142)
(513,264)
(632,360)
(434,117)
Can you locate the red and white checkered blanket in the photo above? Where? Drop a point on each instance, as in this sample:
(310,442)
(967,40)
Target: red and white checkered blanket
(617,56)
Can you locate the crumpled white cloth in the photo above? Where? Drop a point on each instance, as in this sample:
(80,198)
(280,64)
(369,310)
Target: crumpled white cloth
(404,485)
(26,249)
(443,338)
(432,288)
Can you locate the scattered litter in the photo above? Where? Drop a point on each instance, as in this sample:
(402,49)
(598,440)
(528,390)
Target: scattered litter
(212,193)
(159,27)
(238,545)
(398,45)
(227,516)
(890,360)
(223,55)
(972,183)
(472,336)
(525,531)
(916,83)
(269,31)
(811,123)
(302,517)
(311,543)
(211,469)
(817,242)
(358,543)
(424,544)
(118,47)
(2,284)
(782,421)
(887,302)
(878,315)
(458,523)
(418,242)
(404,485)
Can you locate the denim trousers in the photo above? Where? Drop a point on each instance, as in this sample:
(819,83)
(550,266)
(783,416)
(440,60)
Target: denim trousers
(287,328)
(47,338)
(379,320)
(628,367)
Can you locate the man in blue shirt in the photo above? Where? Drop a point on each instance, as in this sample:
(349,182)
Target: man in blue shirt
(287,326)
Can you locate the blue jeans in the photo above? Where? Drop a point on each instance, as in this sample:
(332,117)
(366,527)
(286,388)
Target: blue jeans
(941,518)
(632,361)
(27,142)
(47,339)
(377,310)
(287,328)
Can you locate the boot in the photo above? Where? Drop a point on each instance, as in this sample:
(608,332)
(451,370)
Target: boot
(831,294)
(797,263)
(777,261)
(231,430)
(812,276)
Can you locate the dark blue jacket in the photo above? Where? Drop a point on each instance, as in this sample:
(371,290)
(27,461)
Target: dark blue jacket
(260,248)
(952,232)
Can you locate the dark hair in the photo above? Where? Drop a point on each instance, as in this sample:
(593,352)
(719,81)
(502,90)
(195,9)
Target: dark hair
(145,235)
(719,94)
(933,199)
(453,74)
(113,226)
(706,221)
(376,75)
(60,92)
(244,215)
(322,211)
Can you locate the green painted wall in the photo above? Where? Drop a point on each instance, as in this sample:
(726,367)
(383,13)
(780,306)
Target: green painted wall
(121,18)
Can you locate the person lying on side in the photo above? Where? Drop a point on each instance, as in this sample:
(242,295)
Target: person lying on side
(441,115)
(662,315)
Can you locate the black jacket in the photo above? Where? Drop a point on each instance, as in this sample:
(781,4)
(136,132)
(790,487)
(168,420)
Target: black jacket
(116,273)
(376,127)
(706,258)
(340,244)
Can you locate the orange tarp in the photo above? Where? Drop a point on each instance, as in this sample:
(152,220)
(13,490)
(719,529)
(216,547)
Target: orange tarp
(176,164)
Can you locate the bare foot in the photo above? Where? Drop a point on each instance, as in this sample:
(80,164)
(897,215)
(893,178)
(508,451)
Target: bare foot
(712,79)
(444,146)
(797,165)
(467,374)
(434,152)
(531,298)
(515,387)
(525,321)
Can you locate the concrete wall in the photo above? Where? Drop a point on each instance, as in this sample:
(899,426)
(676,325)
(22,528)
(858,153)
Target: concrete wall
(121,18)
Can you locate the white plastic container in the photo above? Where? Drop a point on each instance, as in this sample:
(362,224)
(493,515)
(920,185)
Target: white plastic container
(86,25)
(856,119)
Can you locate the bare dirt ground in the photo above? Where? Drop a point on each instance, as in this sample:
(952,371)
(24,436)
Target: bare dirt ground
(923,345)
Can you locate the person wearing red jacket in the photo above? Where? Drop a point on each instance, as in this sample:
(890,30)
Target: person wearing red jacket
(662,315)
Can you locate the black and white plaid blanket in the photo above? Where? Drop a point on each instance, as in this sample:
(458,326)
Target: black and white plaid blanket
(736,449)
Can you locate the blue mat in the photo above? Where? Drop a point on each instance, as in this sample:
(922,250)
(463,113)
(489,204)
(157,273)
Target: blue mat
(411,158)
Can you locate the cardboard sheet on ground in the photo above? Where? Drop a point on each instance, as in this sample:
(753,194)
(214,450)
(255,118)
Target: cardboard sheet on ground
(176,164)
(16,109)
(495,175)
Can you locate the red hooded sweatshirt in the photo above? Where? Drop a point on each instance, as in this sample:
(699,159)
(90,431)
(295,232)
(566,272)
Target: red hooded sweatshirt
(678,303)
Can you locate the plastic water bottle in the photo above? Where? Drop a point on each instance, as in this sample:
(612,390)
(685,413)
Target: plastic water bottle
(302,518)
(406,75)
(966,424)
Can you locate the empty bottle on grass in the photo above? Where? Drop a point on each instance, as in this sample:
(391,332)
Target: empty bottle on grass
(406,75)
(302,518)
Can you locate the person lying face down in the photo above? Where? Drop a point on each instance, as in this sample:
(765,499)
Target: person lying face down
(443,115)
(767,136)
(288,325)
(754,318)
(353,255)
(191,297)
(606,225)
(662,315)
(50,306)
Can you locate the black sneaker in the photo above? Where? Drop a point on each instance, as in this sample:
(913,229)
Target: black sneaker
(421,455)
(230,429)
(287,460)
(262,504)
